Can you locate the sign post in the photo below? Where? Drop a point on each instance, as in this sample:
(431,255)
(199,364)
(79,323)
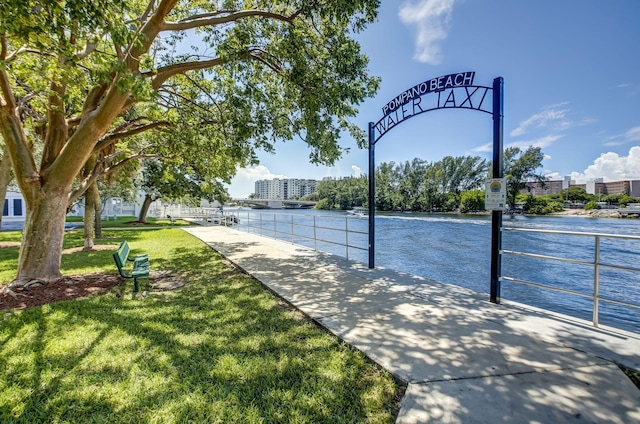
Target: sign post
(498,173)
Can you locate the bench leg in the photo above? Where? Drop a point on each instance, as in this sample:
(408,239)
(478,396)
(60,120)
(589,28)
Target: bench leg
(136,286)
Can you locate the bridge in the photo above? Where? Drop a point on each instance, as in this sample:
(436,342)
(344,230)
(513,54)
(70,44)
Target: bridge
(277,203)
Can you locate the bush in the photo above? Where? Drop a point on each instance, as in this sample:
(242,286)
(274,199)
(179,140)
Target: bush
(472,200)
(591,205)
(541,206)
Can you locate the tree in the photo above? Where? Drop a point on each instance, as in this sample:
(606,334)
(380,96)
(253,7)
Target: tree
(472,200)
(171,181)
(520,167)
(345,193)
(79,77)
(576,194)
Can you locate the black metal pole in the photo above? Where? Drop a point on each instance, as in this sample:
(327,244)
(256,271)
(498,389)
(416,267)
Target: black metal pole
(372,196)
(498,172)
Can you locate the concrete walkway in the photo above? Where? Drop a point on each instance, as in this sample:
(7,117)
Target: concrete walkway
(466,360)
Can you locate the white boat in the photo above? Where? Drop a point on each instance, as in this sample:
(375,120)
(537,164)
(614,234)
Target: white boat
(359,212)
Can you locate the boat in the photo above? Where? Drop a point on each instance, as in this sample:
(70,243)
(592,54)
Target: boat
(358,212)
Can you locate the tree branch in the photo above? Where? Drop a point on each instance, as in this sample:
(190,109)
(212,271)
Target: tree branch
(99,171)
(166,72)
(213,19)
(125,132)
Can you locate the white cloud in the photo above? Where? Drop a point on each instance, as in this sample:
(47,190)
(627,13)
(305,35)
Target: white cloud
(357,172)
(543,119)
(243,184)
(485,148)
(553,176)
(431,19)
(630,136)
(612,167)
(541,142)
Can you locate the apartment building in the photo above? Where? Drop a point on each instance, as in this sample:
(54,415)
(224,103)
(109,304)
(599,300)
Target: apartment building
(284,189)
(594,186)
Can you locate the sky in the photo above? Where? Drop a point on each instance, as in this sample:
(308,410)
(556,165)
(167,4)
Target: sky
(571,72)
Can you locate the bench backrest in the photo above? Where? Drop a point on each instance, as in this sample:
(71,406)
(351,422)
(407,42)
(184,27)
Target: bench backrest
(121,255)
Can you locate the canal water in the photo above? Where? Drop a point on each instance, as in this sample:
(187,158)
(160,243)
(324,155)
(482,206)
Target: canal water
(456,249)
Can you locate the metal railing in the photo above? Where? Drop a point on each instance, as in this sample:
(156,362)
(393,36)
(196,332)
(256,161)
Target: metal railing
(596,263)
(311,231)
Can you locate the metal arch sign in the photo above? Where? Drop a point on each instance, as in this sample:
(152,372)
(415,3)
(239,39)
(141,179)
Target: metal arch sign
(449,92)
(453,91)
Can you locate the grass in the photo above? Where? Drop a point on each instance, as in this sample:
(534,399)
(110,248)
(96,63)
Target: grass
(222,349)
(122,221)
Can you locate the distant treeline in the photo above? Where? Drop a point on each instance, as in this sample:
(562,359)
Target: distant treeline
(453,183)
(415,185)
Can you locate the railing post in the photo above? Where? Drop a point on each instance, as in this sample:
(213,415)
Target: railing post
(596,281)
(292,239)
(315,247)
(372,196)
(260,223)
(275,227)
(346,236)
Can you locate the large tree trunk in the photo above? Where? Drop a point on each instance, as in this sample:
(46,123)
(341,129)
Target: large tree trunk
(42,236)
(142,217)
(5,177)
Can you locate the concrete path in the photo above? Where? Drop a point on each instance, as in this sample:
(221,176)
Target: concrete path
(466,360)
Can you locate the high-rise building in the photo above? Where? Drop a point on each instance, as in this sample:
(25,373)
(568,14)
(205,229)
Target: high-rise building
(284,189)
(268,189)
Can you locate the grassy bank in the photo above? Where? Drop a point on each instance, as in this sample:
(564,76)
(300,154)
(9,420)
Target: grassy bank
(221,349)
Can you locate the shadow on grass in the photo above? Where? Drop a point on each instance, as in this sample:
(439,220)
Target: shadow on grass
(220,349)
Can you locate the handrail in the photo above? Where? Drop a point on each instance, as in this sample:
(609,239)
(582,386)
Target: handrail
(596,263)
(271,228)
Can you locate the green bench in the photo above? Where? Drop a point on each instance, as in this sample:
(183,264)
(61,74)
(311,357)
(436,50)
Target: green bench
(140,264)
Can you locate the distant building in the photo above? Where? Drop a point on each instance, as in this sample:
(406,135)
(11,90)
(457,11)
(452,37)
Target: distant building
(268,189)
(284,189)
(595,186)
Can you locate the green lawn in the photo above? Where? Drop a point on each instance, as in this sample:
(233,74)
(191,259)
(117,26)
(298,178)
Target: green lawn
(221,349)
(122,221)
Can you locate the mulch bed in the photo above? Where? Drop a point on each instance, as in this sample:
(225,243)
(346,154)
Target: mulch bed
(68,287)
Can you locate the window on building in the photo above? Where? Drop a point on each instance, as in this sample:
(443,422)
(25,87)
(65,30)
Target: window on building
(5,211)
(17,207)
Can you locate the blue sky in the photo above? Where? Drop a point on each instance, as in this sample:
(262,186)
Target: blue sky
(571,72)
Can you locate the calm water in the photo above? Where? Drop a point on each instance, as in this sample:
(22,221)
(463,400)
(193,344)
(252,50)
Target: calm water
(456,250)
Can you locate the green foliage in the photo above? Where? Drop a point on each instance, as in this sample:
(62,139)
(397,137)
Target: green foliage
(422,186)
(591,204)
(312,197)
(541,205)
(577,195)
(410,186)
(344,193)
(179,181)
(618,199)
(520,167)
(472,200)
(221,349)
(205,84)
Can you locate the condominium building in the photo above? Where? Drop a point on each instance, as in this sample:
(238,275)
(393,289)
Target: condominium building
(593,186)
(268,189)
(284,189)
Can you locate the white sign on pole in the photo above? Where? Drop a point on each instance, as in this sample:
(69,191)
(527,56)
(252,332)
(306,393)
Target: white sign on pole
(495,194)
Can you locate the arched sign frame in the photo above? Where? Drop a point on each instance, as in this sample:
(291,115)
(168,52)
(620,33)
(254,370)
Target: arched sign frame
(453,91)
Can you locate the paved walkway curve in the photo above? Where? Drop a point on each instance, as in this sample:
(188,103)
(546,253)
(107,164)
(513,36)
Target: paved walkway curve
(466,360)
